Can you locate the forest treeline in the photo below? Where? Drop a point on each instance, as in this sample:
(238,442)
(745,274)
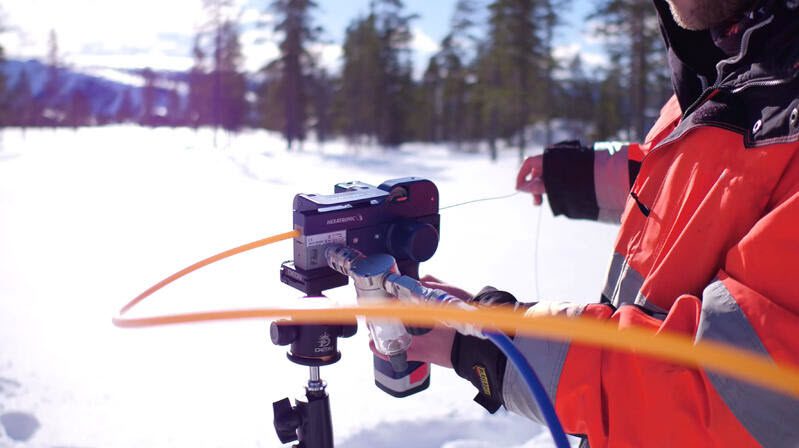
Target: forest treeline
(495,79)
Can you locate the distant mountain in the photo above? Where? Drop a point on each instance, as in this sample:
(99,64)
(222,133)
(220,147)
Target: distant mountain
(103,88)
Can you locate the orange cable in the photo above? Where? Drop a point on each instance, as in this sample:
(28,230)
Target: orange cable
(206,262)
(673,347)
(678,348)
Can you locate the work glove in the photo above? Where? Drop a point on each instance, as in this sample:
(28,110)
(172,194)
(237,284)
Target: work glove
(478,360)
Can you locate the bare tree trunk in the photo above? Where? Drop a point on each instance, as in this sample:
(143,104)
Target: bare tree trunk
(638,74)
(492,133)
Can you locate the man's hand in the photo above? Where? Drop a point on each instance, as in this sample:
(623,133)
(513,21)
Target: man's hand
(474,359)
(530,178)
(436,345)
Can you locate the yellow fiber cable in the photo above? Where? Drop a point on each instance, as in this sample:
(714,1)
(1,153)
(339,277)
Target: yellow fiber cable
(202,263)
(677,348)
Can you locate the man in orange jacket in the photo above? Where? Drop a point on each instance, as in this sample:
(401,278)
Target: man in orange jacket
(708,245)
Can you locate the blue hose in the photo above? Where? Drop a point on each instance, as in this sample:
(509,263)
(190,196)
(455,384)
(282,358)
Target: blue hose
(505,345)
(513,354)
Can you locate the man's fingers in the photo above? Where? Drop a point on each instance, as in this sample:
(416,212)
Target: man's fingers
(535,186)
(435,346)
(377,353)
(454,290)
(430,279)
(524,171)
(537,164)
(531,169)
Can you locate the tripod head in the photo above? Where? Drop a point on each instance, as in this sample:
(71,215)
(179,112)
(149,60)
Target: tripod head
(311,345)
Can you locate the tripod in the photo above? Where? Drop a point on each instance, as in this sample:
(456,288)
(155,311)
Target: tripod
(308,421)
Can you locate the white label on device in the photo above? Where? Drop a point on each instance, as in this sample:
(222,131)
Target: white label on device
(322,239)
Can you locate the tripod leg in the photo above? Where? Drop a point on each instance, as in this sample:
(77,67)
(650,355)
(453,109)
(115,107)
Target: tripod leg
(316,430)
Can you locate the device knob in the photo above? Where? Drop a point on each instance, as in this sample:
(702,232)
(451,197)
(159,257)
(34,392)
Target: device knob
(348,330)
(282,333)
(286,421)
(414,240)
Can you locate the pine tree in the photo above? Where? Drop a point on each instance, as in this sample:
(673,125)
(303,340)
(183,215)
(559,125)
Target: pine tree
(476,128)
(174,112)
(576,100)
(149,98)
(4,94)
(79,109)
(457,99)
(125,111)
(220,89)
(20,100)
(231,100)
(454,92)
(489,96)
(52,86)
(510,70)
(295,64)
(198,109)
(396,79)
(323,89)
(427,118)
(609,113)
(462,24)
(270,111)
(548,17)
(377,93)
(361,80)
(215,10)
(633,34)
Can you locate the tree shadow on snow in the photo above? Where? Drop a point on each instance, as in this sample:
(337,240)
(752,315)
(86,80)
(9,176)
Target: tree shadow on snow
(261,168)
(8,156)
(19,426)
(491,431)
(386,162)
(7,384)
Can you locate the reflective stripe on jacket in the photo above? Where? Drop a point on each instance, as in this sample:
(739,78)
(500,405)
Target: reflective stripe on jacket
(708,246)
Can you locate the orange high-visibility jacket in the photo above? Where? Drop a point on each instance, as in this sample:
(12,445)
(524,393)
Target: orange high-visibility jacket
(708,246)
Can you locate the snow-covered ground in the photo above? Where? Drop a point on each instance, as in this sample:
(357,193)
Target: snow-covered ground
(90,218)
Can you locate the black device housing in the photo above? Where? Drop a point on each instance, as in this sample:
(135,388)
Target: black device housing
(400,217)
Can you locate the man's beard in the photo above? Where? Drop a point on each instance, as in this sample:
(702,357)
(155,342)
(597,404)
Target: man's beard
(699,15)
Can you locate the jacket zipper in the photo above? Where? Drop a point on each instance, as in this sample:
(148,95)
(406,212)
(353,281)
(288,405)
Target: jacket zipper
(708,93)
(644,209)
(763,83)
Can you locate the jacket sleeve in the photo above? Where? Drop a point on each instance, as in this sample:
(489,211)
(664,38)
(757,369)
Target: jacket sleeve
(589,182)
(620,399)
(594,182)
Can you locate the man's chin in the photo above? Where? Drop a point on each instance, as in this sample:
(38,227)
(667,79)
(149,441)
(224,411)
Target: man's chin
(689,22)
(707,14)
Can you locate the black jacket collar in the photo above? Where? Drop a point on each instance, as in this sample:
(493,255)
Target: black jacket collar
(769,48)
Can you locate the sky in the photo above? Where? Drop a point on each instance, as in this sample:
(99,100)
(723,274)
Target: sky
(159,33)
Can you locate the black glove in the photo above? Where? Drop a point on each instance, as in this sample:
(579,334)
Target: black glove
(478,360)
